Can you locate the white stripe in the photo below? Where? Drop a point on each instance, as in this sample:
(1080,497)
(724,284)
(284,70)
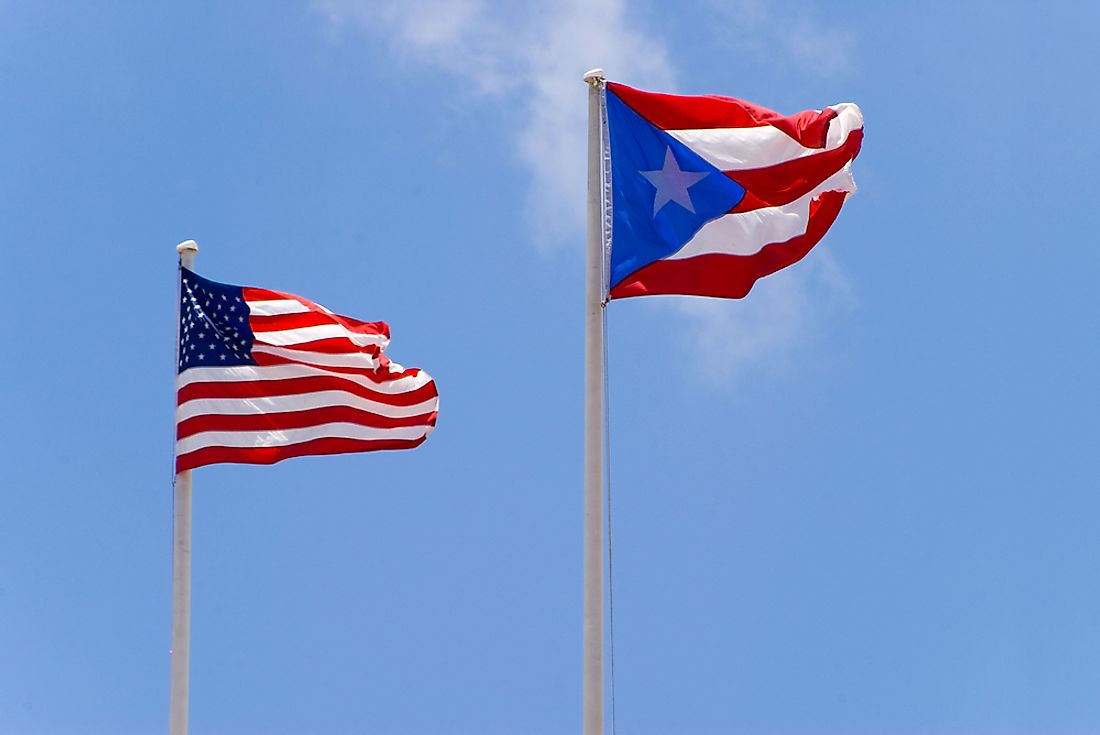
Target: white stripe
(245,373)
(301,402)
(287,437)
(298,335)
(274,307)
(746,233)
(349,359)
(848,118)
(737,149)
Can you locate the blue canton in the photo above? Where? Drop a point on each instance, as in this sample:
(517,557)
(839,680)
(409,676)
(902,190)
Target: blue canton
(214,327)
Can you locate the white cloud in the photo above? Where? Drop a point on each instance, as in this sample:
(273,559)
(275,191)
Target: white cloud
(537,52)
(460,36)
(541,48)
(779,321)
(795,35)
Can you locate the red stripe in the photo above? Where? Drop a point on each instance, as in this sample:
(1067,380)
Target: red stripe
(298,420)
(679,112)
(375,374)
(278,322)
(785,182)
(299,386)
(730,276)
(270,455)
(263,294)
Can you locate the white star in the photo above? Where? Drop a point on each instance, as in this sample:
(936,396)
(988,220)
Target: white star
(201,355)
(672,184)
(222,356)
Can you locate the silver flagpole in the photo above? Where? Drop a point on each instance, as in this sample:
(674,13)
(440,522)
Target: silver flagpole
(593,419)
(181,568)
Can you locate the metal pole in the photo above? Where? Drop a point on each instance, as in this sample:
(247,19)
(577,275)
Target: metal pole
(593,421)
(181,571)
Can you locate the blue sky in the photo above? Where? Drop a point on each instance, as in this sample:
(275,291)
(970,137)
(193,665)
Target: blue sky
(862,500)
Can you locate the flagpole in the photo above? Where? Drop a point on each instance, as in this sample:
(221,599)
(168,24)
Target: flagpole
(593,420)
(181,568)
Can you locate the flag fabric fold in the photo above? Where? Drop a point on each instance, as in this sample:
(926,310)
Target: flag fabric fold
(263,376)
(710,194)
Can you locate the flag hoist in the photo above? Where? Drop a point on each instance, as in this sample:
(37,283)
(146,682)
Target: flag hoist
(693,196)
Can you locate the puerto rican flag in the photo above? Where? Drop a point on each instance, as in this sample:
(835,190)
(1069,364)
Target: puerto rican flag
(709,194)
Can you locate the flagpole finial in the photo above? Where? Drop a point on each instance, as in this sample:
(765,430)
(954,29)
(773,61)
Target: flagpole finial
(187,250)
(593,76)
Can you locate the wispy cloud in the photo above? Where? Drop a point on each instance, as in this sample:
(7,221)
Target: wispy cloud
(778,33)
(540,49)
(781,321)
(536,53)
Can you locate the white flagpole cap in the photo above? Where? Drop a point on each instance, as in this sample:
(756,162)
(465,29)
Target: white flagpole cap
(593,76)
(187,250)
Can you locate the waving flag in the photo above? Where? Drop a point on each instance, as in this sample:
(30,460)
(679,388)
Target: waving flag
(709,194)
(264,375)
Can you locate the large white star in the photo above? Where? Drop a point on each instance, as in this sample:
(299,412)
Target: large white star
(672,184)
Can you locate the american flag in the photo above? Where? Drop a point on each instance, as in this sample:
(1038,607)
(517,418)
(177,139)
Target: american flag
(263,376)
